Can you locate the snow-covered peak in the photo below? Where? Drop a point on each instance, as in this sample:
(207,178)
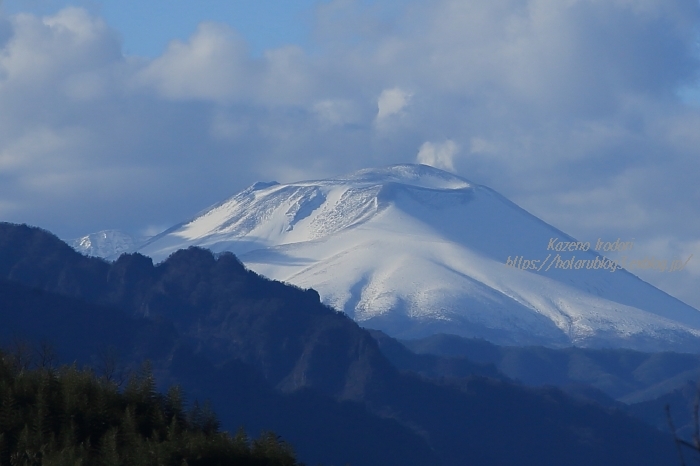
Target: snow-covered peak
(413,250)
(107,244)
(423,176)
(272,213)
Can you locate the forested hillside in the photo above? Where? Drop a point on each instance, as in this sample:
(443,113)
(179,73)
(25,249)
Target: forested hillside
(66,416)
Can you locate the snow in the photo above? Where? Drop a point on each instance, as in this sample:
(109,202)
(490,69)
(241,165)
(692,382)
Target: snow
(108,244)
(414,250)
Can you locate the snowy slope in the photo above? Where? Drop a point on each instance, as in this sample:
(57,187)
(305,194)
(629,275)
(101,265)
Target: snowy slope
(413,250)
(108,244)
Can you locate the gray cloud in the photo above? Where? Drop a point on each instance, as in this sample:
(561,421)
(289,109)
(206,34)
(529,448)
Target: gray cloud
(568,108)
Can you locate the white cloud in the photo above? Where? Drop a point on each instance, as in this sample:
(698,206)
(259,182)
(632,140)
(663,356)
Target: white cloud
(212,65)
(44,51)
(391,102)
(286,77)
(438,155)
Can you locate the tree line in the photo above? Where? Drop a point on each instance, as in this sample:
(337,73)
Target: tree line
(69,416)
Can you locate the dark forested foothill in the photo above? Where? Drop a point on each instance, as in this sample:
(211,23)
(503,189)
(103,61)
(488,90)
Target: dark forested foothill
(67,416)
(270,356)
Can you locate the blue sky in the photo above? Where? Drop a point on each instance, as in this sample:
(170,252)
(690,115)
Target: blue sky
(136,115)
(147,27)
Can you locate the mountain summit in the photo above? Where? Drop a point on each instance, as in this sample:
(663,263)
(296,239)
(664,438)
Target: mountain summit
(108,244)
(413,250)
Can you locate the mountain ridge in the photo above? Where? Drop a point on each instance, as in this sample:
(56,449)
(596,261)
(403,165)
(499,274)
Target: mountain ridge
(412,250)
(272,351)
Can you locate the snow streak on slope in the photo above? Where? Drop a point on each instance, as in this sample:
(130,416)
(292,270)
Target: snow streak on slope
(413,250)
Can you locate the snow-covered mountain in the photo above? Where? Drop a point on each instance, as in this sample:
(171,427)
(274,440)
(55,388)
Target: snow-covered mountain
(413,250)
(108,244)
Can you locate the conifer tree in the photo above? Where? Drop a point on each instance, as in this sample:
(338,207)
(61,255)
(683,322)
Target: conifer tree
(66,416)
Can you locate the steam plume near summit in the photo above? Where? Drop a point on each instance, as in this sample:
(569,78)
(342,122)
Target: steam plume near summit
(438,155)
